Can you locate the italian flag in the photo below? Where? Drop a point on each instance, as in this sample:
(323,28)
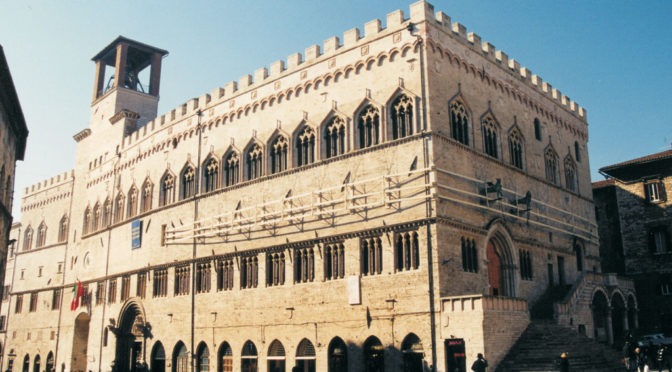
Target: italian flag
(77,292)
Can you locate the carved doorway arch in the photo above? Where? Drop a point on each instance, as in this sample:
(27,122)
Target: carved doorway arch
(131,336)
(501,267)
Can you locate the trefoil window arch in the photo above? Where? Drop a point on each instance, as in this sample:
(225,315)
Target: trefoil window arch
(516,148)
(305,146)
(210,175)
(402,117)
(187,182)
(231,169)
(334,137)
(551,163)
(490,136)
(254,162)
(146,198)
(119,208)
(459,122)
(167,194)
(368,126)
(41,235)
(28,238)
(63,229)
(132,208)
(279,149)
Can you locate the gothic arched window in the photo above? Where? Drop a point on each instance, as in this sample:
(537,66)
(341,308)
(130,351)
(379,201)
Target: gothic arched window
(167,194)
(334,137)
(459,122)
(368,126)
(305,146)
(490,136)
(402,117)
(254,162)
(551,162)
(187,182)
(231,169)
(279,149)
(210,175)
(516,148)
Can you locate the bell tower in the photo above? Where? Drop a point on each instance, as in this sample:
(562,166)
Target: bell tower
(126,84)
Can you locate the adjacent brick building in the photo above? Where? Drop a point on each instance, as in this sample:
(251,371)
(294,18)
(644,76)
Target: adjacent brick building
(13,136)
(634,217)
(395,198)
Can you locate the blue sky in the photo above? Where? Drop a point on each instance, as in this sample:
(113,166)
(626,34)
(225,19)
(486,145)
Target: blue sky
(613,57)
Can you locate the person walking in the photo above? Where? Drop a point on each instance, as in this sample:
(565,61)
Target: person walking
(480,364)
(642,361)
(564,362)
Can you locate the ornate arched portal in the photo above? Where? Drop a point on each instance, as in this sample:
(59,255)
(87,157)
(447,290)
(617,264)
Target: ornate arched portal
(131,335)
(80,343)
(501,267)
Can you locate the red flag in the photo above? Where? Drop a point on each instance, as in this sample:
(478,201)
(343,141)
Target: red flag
(77,291)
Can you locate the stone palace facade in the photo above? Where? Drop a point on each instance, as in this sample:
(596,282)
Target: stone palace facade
(397,198)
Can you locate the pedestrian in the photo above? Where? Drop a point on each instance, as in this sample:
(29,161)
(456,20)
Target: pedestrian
(661,357)
(642,360)
(564,362)
(480,364)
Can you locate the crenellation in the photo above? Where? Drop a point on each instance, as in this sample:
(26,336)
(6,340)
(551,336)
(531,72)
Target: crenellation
(422,11)
(312,52)
(537,81)
(230,88)
(217,93)
(331,44)
(556,94)
(546,87)
(475,40)
(372,28)
(514,65)
(525,74)
(245,81)
(443,19)
(488,50)
(294,60)
(183,109)
(460,30)
(351,37)
(260,75)
(395,19)
(502,57)
(277,68)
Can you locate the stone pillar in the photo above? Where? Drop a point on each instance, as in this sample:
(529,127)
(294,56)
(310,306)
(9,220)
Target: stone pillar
(626,324)
(120,65)
(155,75)
(99,80)
(610,328)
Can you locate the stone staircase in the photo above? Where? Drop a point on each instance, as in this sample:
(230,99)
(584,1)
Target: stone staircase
(543,308)
(539,348)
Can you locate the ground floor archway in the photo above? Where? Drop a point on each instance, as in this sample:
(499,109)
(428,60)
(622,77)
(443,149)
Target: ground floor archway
(80,342)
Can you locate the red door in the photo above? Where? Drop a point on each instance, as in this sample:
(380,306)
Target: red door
(494,271)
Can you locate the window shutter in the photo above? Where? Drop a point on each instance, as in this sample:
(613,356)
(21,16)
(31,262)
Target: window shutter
(661,191)
(647,194)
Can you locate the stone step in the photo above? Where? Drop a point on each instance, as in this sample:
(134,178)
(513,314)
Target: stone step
(539,348)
